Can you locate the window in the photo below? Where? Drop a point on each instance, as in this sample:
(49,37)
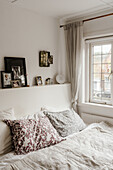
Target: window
(100,71)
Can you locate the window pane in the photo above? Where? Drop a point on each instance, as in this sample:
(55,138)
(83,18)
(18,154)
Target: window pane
(106,68)
(97,50)
(106,93)
(101,69)
(106,78)
(106,58)
(97,68)
(97,77)
(96,95)
(106,49)
(97,59)
(96,86)
(106,87)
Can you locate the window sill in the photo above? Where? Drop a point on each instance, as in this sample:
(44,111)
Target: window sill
(95,104)
(96,109)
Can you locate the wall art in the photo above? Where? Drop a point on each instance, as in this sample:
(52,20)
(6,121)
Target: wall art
(17,66)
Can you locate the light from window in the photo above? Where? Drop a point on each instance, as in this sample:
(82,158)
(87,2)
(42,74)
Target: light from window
(101,72)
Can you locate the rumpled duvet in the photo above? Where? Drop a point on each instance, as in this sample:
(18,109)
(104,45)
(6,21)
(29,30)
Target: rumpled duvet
(90,149)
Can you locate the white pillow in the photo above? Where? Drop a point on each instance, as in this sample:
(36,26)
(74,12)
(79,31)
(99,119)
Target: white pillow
(53,109)
(7,114)
(34,116)
(5,136)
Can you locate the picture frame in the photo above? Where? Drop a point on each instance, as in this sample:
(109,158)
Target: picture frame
(17,66)
(15,83)
(38,80)
(44,59)
(48,81)
(6,78)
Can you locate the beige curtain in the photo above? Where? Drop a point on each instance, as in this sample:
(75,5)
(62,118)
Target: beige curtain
(74,51)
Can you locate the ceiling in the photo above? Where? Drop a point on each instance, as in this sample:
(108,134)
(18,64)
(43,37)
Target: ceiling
(63,8)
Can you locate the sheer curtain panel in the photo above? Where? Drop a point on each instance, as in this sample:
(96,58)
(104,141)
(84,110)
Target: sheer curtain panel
(74,52)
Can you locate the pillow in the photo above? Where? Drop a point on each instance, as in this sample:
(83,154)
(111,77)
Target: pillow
(5,136)
(34,116)
(66,122)
(7,114)
(31,135)
(53,109)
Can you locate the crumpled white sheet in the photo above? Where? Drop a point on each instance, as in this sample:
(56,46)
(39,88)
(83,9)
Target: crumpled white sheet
(90,149)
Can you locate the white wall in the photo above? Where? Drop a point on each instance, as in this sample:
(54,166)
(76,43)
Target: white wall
(24,33)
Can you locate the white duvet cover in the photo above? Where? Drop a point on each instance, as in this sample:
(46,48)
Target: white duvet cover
(90,149)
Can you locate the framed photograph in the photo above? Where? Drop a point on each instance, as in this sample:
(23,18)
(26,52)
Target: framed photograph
(49,81)
(44,59)
(38,80)
(17,66)
(6,79)
(15,83)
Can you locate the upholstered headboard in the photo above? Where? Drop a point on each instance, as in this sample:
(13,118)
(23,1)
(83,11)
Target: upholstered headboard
(28,100)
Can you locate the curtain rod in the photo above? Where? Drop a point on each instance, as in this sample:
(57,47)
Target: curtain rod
(106,36)
(106,15)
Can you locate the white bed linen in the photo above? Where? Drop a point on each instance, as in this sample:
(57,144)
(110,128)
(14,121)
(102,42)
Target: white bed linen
(8,158)
(88,150)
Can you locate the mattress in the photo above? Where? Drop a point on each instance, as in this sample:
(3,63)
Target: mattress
(89,149)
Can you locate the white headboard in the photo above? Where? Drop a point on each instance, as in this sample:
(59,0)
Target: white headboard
(28,100)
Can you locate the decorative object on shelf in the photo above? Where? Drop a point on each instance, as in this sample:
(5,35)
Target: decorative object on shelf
(50,59)
(60,79)
(28,84)
(38,80)
(16,83)
(48,81)
(6,79)
(45,59)
(17,66)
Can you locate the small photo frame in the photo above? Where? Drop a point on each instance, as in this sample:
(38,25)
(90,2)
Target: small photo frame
(6,79)
(38,80)
(49,81)
(15,83)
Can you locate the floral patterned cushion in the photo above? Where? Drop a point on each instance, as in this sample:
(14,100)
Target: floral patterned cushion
(31,135)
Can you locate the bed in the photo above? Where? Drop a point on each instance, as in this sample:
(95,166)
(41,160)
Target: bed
(88,148)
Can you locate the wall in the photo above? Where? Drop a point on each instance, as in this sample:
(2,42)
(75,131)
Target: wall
(24,33)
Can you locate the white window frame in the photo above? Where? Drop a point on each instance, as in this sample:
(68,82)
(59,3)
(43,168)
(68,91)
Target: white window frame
(88,70)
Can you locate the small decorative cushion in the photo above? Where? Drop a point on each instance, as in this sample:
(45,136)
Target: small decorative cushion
(66,122)
(31,135)
(5,136)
